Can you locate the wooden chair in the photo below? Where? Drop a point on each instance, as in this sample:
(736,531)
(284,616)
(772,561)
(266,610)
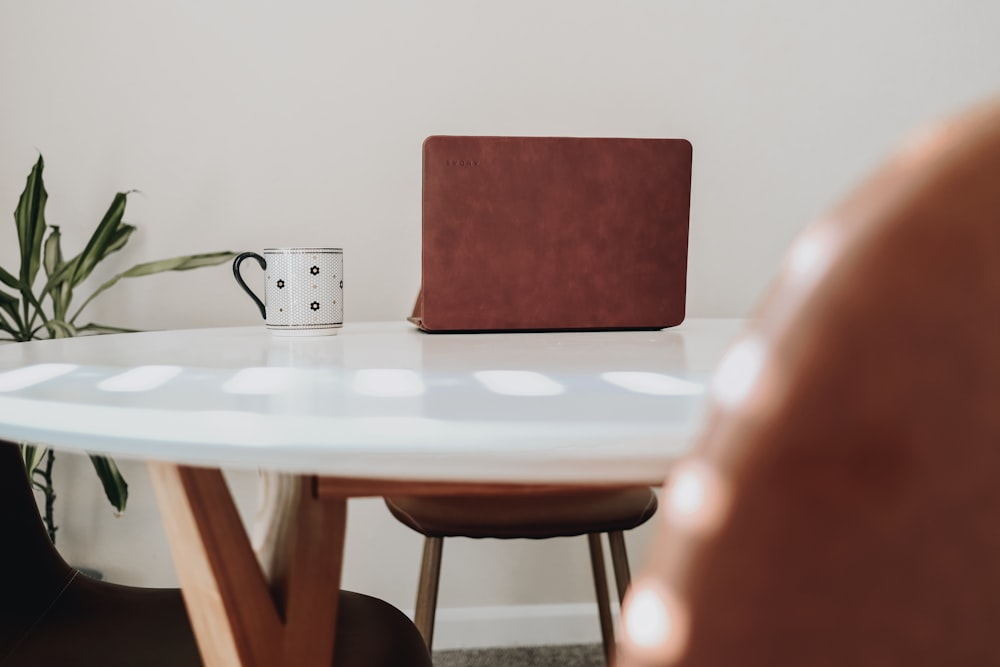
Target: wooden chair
(531,516)
(843,504)
(50,614)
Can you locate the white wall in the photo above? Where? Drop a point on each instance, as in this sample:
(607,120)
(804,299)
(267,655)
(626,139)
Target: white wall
(247,124)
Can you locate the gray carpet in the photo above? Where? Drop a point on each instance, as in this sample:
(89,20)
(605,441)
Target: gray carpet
(535,656)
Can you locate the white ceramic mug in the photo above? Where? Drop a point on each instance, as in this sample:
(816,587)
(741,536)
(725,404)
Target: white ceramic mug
(303,290)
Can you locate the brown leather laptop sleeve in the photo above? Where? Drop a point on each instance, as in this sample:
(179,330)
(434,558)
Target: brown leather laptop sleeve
(551,233)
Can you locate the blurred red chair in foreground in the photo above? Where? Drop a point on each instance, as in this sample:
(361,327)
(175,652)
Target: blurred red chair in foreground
(843,504)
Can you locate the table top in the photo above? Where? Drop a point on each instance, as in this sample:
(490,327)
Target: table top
(376,400)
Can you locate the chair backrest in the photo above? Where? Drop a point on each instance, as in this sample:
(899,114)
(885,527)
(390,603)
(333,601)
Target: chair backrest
(32,574)
(843,504)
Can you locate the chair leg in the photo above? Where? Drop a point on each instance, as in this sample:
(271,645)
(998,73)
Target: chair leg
(427,588)
(619,561)
(603,601)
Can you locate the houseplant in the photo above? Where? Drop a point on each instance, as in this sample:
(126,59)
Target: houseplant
(33,308)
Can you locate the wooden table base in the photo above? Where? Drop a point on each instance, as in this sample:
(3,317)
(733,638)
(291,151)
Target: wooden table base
(274,601)
(278,610)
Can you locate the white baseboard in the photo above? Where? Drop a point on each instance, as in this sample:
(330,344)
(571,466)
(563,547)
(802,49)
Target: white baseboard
(516,625)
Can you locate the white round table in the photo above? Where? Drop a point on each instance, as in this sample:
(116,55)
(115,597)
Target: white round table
(379,408)
(377,400)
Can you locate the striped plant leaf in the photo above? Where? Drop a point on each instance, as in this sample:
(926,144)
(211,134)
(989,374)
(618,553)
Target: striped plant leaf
(30,218)
(9,280)
(33,456)
(93,328)
(119,238)
(184,263)
(61,281)
(9,303)
(13,325)
(52,261)
(52,257)
(60,329)
(106,239)
(115,487)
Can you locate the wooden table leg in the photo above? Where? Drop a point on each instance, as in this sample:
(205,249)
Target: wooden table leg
(277,611)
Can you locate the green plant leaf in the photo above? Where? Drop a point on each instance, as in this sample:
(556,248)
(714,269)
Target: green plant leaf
(33,456)
(106,239)
(103,329)
(119,238)
(9,303)
(60,329)
(64,273)
(30,218)
(52,257)
(184,263)
(59,287)
(52,261)
(61,276)
(9,280)
(62,280)
(115,487)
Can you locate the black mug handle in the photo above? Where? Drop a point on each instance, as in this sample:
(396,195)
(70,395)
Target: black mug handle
(236,272)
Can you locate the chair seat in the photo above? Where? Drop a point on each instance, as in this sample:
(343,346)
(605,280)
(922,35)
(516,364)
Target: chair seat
(52,615)
(532,516)
(99,624)
(536,515)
